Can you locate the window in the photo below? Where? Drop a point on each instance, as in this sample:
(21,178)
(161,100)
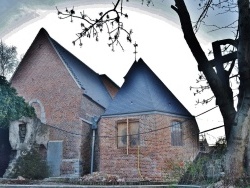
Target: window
(22,132)
(132,139)
(176,134)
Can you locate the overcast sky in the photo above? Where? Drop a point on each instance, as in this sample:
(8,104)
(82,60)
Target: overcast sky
(156,30)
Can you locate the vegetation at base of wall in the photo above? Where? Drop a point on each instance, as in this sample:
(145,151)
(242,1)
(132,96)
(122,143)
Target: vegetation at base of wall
(207,168)
(30,165)
(12,107)
(186,172)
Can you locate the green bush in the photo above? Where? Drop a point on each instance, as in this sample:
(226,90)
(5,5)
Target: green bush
(30,165)
(12,106)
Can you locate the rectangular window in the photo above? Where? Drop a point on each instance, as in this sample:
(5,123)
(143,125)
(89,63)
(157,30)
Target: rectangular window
(176,134)
(128,134)
(22,132)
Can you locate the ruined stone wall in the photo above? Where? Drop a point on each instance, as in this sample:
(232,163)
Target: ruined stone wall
(152,159)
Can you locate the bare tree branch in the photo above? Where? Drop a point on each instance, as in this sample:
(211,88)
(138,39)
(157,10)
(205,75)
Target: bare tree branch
(111,19)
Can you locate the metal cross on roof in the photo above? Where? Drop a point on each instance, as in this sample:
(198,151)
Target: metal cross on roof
(135,52)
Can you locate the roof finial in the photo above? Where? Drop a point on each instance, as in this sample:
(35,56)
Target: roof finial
(135,52)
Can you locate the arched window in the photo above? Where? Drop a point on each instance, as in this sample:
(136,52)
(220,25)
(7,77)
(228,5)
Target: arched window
(39,109)
(176,134)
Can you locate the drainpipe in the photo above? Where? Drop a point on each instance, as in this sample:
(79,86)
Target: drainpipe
(94,128)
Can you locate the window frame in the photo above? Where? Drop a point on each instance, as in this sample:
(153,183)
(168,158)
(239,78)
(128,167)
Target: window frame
(176,133)
(129,133)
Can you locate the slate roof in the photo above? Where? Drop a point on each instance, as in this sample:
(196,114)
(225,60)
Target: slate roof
(143,91)
(89,80)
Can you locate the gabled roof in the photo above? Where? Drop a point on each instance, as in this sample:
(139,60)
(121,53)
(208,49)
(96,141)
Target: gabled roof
(85,77)
(88,79)
(143,92)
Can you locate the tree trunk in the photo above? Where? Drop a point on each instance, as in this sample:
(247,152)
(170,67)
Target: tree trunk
(238,155)
(223,99)
(236,125)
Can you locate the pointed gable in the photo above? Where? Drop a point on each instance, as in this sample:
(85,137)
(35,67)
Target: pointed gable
(84,77)
(143,92)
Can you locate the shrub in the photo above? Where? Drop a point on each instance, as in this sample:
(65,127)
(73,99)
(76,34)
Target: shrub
(12,107)
(30,165)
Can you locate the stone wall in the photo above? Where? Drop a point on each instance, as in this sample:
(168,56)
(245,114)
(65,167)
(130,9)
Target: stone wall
(151,160)
(24,134)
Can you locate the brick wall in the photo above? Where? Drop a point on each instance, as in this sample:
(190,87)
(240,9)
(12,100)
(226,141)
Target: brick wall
(89,109)
(111,87)
(43,77)
(155,151)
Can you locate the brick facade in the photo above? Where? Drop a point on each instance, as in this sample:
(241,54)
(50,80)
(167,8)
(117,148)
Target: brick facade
(43,77)
(45,82)
(151,159)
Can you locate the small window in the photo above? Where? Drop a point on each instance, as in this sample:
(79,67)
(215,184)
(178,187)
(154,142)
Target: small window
(132,139)
(22,132)
(176,134)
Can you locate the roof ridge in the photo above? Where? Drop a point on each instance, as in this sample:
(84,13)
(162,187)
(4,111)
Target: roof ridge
(85,77)
(72,55)
(53,41)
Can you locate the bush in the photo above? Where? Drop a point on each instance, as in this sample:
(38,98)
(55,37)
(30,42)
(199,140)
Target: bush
(30,165)
(12,107)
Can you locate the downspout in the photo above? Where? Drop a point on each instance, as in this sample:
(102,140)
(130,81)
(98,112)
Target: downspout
(94,128)
(127,136)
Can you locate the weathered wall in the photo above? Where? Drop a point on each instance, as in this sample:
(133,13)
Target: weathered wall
(43,80)
(35,133)
(155,152)
(43,76)
(25,134)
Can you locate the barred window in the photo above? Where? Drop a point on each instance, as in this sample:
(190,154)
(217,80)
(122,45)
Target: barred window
(132,138)
(176,134)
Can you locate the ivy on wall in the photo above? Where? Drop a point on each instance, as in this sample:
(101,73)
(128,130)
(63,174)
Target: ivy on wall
(12,107)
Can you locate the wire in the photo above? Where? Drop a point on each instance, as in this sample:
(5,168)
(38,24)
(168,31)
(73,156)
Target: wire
(206,111)
(140,133)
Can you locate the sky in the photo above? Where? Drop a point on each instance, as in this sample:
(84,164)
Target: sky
(156,30)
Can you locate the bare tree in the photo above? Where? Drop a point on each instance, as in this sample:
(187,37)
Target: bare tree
(8,59)
(236,121)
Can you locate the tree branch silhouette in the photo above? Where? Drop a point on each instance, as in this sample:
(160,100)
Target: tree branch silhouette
(111,20)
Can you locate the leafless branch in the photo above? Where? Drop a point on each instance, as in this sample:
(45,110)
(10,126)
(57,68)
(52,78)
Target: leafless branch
(223,6)
(232,25)
(111,19)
